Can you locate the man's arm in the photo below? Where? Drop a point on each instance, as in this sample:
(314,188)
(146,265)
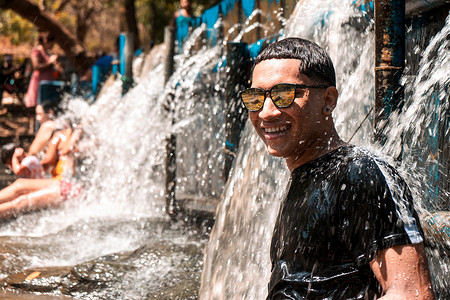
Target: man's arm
(402,271)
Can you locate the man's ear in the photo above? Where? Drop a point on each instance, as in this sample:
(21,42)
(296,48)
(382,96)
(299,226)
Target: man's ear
(330,96)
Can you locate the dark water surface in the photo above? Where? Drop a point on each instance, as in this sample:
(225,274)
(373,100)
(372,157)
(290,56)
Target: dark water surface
(166,264)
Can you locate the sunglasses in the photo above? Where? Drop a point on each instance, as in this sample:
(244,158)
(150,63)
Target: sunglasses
(282,95)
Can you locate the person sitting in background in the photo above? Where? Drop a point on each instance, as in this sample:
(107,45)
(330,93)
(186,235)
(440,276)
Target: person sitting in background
(25,195)
(7,70)
(45,115)
(185,12)
(54,160)
(43,64)
(99,72)
(23,165)
(104,63)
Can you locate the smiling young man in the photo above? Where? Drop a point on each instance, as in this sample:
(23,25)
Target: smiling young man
(347,228)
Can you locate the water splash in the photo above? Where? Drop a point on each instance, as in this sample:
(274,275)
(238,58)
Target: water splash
(243,227)
(121,206)
(118,225)
(197,93)
(239,245)
(249,26)
(424,122)
(424,126)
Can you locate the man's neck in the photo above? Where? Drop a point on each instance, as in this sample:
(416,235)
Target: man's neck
(316,149)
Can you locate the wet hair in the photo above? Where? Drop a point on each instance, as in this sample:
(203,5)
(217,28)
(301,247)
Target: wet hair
(314,61)
(8,152)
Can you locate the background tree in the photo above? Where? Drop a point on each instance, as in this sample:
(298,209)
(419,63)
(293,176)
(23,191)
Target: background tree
(154,15)
(129,21)
(44,20)
(16,28)
(84,16)
(84,27)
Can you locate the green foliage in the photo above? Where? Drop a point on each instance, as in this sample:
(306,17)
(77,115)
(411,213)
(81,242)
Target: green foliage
(16,27)
(153,16)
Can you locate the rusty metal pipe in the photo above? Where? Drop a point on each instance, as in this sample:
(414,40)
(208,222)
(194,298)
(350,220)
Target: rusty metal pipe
(389,60)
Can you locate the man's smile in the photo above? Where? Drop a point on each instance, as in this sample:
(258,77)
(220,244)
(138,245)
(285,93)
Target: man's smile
(275,131)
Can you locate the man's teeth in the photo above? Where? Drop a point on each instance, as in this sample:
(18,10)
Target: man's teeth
(275,129)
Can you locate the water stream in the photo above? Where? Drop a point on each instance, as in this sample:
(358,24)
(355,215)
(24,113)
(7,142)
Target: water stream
(114,240)
(237,264)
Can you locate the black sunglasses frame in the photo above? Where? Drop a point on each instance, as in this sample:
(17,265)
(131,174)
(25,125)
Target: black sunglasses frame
(269,91)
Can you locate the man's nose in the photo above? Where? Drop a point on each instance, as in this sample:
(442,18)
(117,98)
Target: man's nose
(269,110)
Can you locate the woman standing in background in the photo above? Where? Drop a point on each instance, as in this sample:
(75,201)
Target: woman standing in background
(43,66)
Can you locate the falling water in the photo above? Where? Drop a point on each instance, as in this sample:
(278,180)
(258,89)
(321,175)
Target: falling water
(424,125)
(198,88)
(114,240)
(237,264)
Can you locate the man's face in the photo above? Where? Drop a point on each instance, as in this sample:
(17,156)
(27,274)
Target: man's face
(287,132)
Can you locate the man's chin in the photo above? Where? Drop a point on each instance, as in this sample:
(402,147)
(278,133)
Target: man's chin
(274,151)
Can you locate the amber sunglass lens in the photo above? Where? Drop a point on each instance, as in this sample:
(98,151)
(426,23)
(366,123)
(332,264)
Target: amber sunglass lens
(283,94)
(253,99)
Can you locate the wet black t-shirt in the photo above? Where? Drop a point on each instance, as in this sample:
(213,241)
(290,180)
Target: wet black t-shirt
(339,210)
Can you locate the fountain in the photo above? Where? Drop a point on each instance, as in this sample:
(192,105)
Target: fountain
(240,240)
(115,240)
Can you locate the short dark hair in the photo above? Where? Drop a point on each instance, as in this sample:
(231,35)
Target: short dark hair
(8,152)
(315,61)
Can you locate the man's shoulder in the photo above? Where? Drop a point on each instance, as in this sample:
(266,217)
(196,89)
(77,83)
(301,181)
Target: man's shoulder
(351,162)
(363,163)
(357,156)
(365,168)
(344,157)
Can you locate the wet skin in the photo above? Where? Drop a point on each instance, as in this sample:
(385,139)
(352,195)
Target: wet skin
(305,131)
(41,115)
(302,131)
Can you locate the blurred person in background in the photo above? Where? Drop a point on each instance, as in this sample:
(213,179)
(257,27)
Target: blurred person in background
(181,20)
(25,195)
(22,164)
(46,113)
(7,71)
(45,67)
